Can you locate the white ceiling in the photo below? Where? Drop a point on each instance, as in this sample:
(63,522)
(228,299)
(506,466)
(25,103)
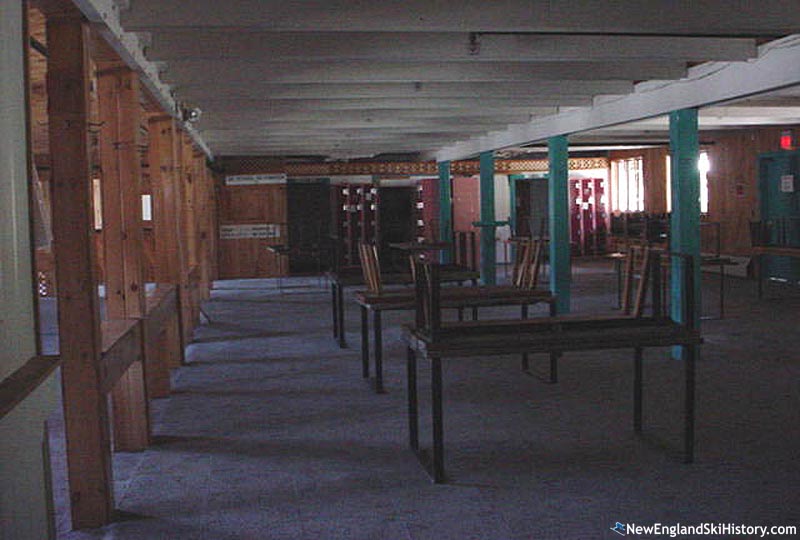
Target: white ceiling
(349,78)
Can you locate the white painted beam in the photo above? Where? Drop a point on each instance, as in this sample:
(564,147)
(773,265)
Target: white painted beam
(215,44)
(243,118)
(271,106)
(231,89)
(709,17)
(778,66)
(187,73)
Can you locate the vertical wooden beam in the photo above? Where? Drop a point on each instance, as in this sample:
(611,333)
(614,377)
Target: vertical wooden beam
(445,209)
(85,410)
(120,114)
(168,251)
(183,171)
(685,219)
(558,194)
(488,245)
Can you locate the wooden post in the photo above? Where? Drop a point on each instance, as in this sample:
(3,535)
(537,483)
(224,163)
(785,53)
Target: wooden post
(445,210)
(85,409)
(558,195)
(182,185)
(120,114)
(488,243)
(168,250)
(685,219)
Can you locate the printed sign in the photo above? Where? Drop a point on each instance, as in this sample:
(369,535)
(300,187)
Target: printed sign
(255,179)
(787,183)
(250,230)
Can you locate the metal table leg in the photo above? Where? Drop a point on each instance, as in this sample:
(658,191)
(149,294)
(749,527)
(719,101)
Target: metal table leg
(688,429)
(334,311)
(364,342)
(637,389)
(340,310)
(525,362)
(437,420)
(413,411)
(377,328)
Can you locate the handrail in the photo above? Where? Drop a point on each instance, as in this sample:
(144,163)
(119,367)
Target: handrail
(15,388)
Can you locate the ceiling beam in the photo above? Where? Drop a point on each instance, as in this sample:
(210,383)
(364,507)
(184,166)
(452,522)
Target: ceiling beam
(248,117)
(403,90)
(215,44)
(709,17)
(778,66)
(190,72)
(267,106)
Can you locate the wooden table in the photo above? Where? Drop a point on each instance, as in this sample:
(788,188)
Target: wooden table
(420,246)
(451,298)
(436,341)
(353,277)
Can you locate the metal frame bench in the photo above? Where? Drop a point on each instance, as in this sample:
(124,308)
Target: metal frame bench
(436,341)
(522,292)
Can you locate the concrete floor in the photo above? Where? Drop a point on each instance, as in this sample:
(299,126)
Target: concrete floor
(272,433)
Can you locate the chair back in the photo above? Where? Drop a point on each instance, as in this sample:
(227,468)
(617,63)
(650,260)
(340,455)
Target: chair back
(528,263)
(370,267)
(427,290)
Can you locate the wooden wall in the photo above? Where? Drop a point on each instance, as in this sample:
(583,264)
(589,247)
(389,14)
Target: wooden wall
(243,205)
(733,180)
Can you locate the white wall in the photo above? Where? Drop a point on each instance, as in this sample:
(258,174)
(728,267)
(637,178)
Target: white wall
(23,498)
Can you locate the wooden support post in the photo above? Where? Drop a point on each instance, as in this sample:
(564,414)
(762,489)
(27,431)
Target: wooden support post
(445,210)
(685,219)
(119,98)
(168,249)
(488,247)
(183,180)
(85,409)
(558,194)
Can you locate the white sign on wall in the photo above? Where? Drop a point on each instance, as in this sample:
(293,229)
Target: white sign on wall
(787,183)
(255,179)
(249,230)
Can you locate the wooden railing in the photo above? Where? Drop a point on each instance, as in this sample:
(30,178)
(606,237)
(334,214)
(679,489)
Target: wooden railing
(15,388)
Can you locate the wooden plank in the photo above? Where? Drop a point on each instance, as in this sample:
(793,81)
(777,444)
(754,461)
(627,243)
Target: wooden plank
(121,348)
(15,388)
(85,407)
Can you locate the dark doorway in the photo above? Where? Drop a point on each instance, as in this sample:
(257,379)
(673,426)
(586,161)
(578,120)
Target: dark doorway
(397,224)
(309,226)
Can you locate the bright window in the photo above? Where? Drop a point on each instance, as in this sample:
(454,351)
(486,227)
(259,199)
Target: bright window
(627,185)
(704,166)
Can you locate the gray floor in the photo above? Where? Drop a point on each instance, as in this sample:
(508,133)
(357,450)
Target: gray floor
(272,433)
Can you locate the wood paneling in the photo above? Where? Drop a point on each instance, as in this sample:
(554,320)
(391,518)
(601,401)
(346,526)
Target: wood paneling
(241,205)
(733,182)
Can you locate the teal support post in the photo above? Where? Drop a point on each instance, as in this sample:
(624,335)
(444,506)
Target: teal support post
(445,210)
(488,247)
(685,219)
(558,202)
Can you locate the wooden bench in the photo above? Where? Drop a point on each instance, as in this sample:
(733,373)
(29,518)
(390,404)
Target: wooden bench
(375,299)
(435,341)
